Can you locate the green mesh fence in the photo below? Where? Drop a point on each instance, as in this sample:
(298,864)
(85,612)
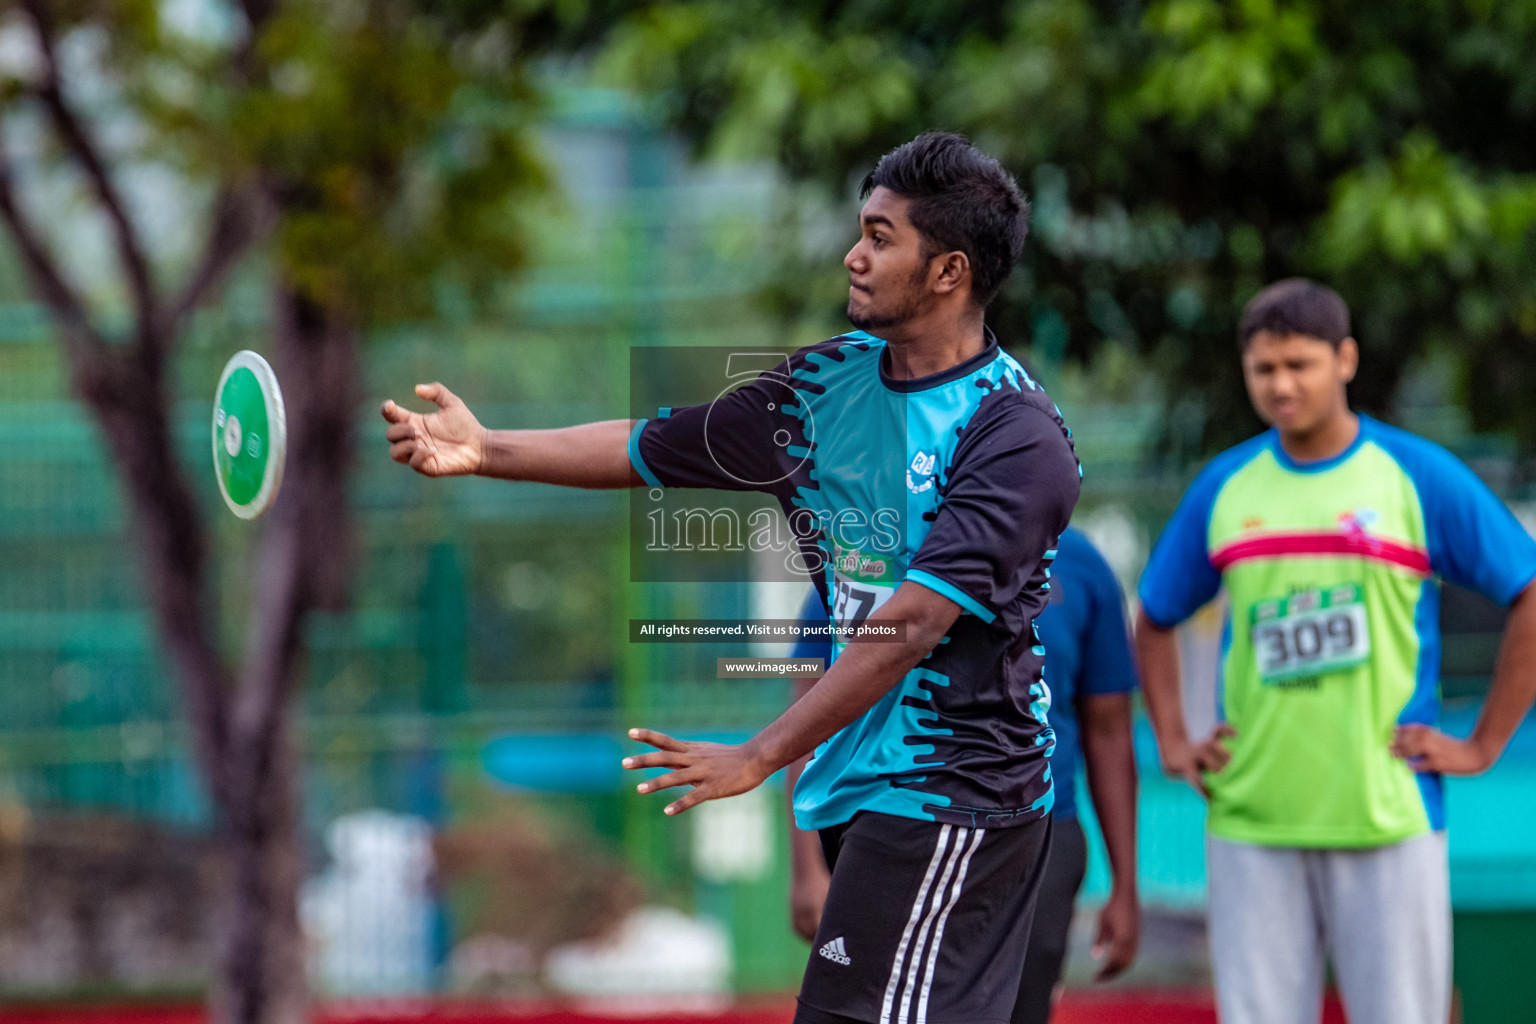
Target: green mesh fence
(488,622)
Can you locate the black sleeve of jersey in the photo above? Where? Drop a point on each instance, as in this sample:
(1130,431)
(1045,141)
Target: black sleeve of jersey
(1008,497)
(726,444)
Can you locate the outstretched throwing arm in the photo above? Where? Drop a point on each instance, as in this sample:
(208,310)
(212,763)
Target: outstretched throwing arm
(451,442)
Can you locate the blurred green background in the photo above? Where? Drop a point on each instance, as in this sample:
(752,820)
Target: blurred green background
(700,159)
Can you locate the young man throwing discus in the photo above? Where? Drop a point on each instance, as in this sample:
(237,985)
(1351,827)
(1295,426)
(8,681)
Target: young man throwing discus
(1091,674)
(928,479)
(1330,534)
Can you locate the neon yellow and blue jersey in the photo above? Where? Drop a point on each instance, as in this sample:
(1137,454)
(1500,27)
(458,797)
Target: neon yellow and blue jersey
(960,482)
(1332,570)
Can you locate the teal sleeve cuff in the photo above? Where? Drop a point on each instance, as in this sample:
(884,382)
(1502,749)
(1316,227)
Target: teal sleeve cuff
(634,455)
(952,592)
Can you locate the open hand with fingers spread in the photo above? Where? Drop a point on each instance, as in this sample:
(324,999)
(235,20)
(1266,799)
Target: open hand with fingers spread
(714,770)
(448,442)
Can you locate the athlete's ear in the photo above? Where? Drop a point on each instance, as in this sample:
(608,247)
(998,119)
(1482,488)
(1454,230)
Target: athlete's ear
(1349,359)
(949,272)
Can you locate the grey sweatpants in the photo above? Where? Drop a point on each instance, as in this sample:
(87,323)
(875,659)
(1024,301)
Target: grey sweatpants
(1381,916)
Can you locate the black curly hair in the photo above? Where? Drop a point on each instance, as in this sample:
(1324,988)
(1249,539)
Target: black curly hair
(961,199)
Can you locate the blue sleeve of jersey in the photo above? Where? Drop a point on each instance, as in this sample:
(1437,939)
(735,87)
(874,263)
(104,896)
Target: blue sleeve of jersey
(813,613)
(1179,576)
(1107,665)
(1474,540)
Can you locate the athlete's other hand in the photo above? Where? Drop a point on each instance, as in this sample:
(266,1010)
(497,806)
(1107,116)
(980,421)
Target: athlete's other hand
(807,899)
(449,442)
(1427,749)
(714,770)
(1119,934)
(1192,760)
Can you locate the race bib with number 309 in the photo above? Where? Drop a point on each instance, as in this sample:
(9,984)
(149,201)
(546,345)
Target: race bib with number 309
(1310,633)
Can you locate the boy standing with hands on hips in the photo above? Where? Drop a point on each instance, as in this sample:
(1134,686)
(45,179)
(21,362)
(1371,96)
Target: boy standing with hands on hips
(1330,533)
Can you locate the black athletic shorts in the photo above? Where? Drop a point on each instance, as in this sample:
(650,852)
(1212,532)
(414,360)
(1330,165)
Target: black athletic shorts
(1064,870)
(924,923)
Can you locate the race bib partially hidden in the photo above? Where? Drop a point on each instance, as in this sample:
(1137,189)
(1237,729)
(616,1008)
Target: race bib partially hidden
(1310,633)
(861,583)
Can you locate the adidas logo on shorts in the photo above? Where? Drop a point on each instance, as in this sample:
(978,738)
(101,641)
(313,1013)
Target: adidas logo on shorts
(836,952)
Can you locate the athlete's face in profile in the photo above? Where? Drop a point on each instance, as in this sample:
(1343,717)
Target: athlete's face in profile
(1297,382)
(887,268)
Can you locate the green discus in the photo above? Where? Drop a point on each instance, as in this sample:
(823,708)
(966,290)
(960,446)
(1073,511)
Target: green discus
(250,435)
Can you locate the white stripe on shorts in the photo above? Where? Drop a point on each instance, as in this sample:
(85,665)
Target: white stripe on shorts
(917,911)
(938,932)
(961,834)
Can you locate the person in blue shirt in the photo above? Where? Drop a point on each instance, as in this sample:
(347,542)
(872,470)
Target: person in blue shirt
(1091,674)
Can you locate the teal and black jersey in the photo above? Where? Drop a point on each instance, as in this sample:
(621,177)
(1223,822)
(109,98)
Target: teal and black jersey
(961,482)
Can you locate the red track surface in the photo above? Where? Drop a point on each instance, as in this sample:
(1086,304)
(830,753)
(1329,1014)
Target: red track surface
(1104,1007)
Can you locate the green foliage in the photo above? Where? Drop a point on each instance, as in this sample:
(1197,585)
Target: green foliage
(393,137)
(398,150)
(1180,154)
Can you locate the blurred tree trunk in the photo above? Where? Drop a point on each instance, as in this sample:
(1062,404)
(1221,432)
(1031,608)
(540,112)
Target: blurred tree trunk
(240,722)
(339,162)
(240,719)
(259,975)
(301,564)
(241,726)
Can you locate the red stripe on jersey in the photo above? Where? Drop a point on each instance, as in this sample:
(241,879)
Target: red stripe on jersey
(1322,542)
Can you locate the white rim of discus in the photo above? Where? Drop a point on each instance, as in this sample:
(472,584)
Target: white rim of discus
(277,431)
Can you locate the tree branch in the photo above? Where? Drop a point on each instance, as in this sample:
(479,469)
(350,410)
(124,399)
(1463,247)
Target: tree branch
(171,540)
(235,225)
(79,334)
(257,14)
(79,143)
